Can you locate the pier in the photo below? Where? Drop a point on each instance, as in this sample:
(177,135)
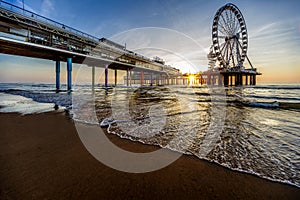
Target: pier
(29,34)
(25,33)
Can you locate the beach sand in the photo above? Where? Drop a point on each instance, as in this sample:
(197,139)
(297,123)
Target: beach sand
(42,157)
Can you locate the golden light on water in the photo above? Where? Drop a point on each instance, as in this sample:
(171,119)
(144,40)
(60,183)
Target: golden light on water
(191,79)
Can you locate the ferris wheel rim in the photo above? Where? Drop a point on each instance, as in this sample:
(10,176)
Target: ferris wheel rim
(230,30)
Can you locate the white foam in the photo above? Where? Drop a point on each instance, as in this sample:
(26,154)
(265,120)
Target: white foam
(23,105)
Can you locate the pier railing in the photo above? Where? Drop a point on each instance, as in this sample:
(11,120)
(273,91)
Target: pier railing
(46,20)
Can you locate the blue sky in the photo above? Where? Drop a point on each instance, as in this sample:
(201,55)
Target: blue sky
(273,28)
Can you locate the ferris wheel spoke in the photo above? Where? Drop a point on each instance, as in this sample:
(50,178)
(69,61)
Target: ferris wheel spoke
(234,25)
(231,54)
(223,28)
(222,46)
(227,54)
(231,23)
(237,27)
(228,21)
(224,52)
(225,23)
(222,36)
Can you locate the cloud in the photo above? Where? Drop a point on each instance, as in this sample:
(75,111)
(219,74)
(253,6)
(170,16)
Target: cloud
(174,47)
(275,42)
(19,3)
(47,7)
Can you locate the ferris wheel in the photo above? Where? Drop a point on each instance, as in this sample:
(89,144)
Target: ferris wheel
(229,37)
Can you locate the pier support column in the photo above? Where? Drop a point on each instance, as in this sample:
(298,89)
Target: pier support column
(219,80)
(151,78)
(208,79)
(142,78)
(57,70)
(106,76)
(127,77)
(246,80)
(69,74)
(239,77)
(93,77)
(130,77)
(254,79)
(226,80)
(116,77)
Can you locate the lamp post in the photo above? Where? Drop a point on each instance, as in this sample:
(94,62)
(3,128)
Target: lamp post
(23,6)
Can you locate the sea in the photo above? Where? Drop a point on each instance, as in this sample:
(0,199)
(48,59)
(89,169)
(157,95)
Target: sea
(252,129)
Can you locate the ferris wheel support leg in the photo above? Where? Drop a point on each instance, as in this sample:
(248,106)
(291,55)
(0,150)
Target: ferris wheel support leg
(249,61)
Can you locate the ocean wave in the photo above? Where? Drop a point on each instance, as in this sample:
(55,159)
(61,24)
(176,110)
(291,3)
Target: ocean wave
(60,99)
(274,104)
(272,97)
(276,87)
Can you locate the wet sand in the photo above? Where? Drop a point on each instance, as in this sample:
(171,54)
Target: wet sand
(42,157)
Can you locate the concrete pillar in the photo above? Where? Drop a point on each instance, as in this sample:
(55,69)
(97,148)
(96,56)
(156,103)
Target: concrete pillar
(219,80)
(130,79)
(69,73)
(93,77)
(246,80)
(208,79)
(57,70)
(242,79)
(226,80)
(127,77)
(236,80)
(116,77)
(151,78)
(239,79)
(254,79)
(106,76)
(142,78)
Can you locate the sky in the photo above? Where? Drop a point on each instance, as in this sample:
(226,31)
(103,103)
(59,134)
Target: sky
(177,31)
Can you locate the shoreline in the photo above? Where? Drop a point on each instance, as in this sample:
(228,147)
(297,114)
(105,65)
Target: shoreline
(42,156)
